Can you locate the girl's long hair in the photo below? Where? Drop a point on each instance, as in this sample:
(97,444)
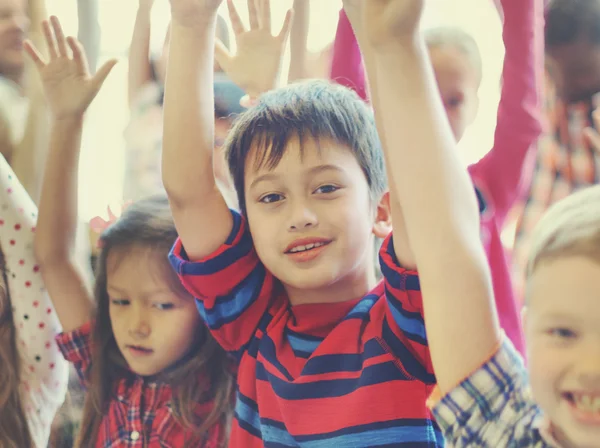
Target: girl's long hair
(205,377)
(14,430)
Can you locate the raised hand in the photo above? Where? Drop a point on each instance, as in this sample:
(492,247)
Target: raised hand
(387,21)
(257,64)
(193,13)
(67,82)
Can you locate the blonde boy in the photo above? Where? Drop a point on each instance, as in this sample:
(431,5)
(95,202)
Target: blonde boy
(556,403)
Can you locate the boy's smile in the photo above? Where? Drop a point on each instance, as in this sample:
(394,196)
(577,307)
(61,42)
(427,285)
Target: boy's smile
(312,220)
(563,339)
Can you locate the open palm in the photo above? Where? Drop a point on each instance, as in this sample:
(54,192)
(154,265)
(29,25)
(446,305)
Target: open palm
(67,82)
(256,66)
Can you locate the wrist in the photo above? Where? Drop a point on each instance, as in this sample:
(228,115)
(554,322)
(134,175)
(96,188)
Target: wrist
(194,26)
(408,46)
(68,121)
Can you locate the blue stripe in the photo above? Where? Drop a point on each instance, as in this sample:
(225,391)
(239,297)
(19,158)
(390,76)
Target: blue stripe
(267,349)
(388,436)
(410,363)
(276,435)
(246,411)
(405,432)
(362,309)
(379,373)
(409,322)
(229,308)
(222,261)
(343,362)
(302,344)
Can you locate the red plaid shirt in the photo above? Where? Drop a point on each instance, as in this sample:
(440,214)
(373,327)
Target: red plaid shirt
(140,414)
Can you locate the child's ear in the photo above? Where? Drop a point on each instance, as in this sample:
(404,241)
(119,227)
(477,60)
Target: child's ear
(383,217)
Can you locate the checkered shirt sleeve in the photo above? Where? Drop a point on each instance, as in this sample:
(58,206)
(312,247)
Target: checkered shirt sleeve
(76,348)
(493,407)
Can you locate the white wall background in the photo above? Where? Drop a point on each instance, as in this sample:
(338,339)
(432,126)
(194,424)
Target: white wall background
(102,158)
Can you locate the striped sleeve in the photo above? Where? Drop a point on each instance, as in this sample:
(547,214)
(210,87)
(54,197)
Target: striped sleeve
(233,289)
(403,327)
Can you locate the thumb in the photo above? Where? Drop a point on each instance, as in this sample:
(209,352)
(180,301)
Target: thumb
(102,73)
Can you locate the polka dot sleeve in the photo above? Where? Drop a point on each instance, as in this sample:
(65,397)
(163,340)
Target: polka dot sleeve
(44,372)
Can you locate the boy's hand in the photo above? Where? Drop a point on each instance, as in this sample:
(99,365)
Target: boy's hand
(257,64)
(194,13)
(387,21)
(66,79)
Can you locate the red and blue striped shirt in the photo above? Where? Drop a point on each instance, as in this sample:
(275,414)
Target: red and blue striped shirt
(349,374)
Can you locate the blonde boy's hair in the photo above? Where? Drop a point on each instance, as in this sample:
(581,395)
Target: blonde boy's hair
(569,228)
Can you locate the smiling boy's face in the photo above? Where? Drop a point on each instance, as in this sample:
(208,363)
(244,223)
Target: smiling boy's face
(312,219)
(563,341)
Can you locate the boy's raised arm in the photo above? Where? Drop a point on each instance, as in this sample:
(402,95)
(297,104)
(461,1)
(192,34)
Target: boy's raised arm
(434,191)
(200,212)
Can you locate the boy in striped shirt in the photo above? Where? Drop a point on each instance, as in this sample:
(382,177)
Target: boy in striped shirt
(327,357)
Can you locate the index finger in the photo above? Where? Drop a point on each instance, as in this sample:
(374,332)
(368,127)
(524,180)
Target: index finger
(34,54)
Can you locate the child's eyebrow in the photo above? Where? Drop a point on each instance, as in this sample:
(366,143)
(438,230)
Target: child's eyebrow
(312,171)
(144,294)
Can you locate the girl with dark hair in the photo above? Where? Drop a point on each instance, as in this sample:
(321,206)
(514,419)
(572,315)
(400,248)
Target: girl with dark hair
(154,375)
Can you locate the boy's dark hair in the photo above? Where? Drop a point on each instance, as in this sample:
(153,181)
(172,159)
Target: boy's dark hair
(311,109)
(568,21)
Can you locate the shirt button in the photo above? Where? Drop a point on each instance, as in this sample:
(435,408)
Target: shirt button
(135,435)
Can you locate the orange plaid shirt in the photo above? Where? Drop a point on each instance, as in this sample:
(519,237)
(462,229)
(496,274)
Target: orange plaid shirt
(565,163)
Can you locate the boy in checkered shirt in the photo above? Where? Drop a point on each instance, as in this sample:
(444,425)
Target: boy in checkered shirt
(491,399)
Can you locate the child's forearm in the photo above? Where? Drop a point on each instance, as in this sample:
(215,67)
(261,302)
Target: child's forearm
(189,113)
(139,54)
(57,222)
(200,212)
(56,229)
(439,209)
(519,111)
(298,41)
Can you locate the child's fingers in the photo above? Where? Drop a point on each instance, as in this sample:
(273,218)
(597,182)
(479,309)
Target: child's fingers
(265,14)
(59,36)
(78,54)
(253,15)
(34,54)
(234,17)
(287,26)
(49,39)
(103,73)
(222,55)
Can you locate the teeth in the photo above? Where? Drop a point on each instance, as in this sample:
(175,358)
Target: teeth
(307,247)
(587,403)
